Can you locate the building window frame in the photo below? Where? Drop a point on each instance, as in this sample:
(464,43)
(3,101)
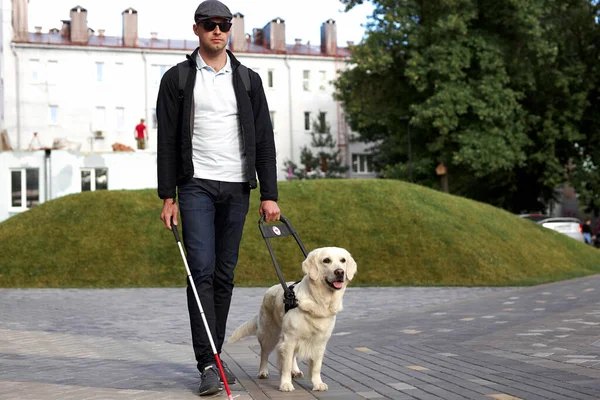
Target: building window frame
(154,119)
(99,118)
(93,179)
(53,72)
(158,70)
(53,114)
(27,195)
(36,71)
(272,113)
(307,121)
(120,118)
(323,118)
(306,80)
(271,78)
(323,81)
(362,164)
(99,71)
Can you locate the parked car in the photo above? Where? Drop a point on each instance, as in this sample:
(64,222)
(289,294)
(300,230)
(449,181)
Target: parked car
(567,225)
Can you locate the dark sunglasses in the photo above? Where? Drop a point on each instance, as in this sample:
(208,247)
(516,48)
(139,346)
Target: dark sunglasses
(210,26)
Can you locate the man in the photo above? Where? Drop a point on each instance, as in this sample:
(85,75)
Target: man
(214,137)
(141,135)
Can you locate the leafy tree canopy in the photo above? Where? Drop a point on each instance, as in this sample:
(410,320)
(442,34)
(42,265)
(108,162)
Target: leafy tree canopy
(504,93)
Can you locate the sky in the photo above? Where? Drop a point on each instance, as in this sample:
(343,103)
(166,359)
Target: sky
(173,19)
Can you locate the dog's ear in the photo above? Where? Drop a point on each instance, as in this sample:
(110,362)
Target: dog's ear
(350,267)
(310,266)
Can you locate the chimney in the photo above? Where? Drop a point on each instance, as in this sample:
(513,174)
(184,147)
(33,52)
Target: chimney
(53,31)
(350,43)
(91,32)
(130,27)
(259,36)
(101,32)
(65,30)
(329,38)
(238,37)
(274,34)
(298,41)
(248,39)
(38,30)
(79,32)
(20,21)
(154,35)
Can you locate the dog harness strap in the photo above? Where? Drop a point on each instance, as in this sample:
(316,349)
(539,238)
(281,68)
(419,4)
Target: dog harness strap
(289,298)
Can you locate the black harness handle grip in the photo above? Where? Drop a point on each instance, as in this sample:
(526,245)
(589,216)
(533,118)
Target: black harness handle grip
(277,231)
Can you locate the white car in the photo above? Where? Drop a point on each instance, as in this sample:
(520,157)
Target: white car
(567,225)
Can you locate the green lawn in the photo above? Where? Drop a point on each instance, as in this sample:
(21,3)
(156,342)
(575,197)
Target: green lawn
(399,234)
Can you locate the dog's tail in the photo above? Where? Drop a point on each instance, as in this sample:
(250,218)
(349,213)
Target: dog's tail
(246,329)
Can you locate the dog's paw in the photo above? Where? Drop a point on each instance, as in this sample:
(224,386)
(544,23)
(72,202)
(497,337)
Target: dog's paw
(263,375)
(286,387)
(297,374)
(320,387)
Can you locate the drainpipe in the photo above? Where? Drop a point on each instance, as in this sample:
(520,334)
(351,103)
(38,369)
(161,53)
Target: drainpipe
(48,174)
(18,94)
(290,97)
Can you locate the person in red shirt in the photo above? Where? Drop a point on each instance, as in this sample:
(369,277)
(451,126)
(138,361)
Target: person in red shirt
(141,134)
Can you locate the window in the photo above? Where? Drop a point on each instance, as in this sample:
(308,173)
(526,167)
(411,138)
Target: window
(322,118)
(362,163)
(323,79)
(273,119)
(158,71)
(306,120)
(270,78)
(306,80)
(154,119)
(100,119)
(52,72)
(119,74)
(25,188)
(99,71)
(94,179)
(120,114)
(53,115)
(35,70)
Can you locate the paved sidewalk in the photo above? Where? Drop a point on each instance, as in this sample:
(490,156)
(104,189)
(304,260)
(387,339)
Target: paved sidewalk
(395,343)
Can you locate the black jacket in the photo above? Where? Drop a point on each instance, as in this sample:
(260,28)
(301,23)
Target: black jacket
(175,138)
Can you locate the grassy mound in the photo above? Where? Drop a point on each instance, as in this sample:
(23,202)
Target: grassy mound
(399,234)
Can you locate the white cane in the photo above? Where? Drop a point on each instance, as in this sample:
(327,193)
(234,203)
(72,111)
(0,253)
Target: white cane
(193,285)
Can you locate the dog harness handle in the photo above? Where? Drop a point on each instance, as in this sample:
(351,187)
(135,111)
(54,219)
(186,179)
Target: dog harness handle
(276,231)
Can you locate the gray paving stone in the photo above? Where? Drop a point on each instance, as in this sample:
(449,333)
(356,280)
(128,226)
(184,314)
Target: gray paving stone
(135,344)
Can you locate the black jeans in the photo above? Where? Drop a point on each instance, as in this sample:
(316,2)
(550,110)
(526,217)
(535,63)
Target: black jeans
(213,214)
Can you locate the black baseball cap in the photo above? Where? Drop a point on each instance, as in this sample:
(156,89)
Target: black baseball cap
(212,9)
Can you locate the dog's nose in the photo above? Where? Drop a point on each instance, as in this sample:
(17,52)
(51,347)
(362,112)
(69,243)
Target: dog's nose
(339,272)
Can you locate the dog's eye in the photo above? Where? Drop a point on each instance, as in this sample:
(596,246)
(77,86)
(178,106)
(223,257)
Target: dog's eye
(343,260)
(327,260)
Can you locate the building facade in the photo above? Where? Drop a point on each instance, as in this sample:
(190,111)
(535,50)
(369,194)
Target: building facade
(72,88)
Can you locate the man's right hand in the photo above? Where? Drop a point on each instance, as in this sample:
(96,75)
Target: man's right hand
(169,210)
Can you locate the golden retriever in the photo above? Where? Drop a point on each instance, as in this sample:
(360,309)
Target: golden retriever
(302,331)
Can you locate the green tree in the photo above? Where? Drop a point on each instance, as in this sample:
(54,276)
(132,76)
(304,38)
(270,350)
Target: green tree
(327,162)
(495,90)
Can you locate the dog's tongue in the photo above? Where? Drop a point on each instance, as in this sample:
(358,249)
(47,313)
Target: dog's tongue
(338,285)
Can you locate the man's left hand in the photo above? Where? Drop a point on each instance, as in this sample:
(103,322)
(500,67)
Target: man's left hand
(270,210)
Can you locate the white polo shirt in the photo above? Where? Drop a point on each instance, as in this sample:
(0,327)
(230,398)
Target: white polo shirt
(217,147)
